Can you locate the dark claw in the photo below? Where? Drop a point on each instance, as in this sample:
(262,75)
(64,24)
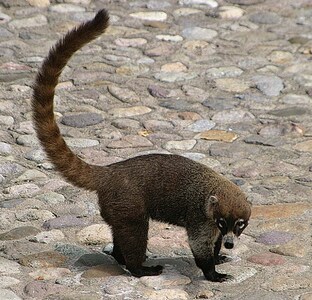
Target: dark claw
(217,277)
(221,259)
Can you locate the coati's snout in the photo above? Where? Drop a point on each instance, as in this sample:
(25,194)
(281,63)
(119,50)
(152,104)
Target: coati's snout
(228,240)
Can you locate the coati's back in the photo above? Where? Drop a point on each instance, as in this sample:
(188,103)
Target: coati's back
(163,182)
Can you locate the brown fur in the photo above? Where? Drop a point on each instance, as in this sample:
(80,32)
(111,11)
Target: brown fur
(168,188)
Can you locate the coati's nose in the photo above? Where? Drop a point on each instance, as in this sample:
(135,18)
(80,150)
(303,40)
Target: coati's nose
(228,241)
(229,245)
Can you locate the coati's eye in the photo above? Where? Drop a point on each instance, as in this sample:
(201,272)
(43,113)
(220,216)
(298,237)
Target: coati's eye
(221,223)
(240,225)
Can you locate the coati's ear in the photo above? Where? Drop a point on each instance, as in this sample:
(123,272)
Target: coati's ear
(210,205)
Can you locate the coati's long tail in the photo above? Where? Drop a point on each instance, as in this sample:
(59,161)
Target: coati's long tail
(70,165)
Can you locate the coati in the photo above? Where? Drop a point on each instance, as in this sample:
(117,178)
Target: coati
(168,188)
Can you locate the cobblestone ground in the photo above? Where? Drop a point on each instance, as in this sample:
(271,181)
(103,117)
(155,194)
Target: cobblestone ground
(226,83)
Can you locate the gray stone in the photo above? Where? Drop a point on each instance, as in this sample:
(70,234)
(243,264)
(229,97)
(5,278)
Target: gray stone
(199,33)
(93,259)
(64,222)
(210,3)
(28,141)
(36,155)
(23,190)
(66,8)
(176,104)
(259,140)
(19,233)
(10,203)
(175,76)
(265,17)
(126,124)
(126,112)
(157,125)
(81,142)
(224,72)
(233,116)
(82,120)
(158,92)
(7,281)
(219,104)
(40,290)
(10,169)
(51,198)
(245,2)
(275,238)
(289,111)
(180,145)
(201,125)
(38,20)
(124,95)
(48,237)
(72,252)
(269,85)
(8,267)
(45,259)
(8,295)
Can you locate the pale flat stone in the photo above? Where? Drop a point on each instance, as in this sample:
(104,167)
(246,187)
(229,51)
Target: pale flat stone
(175,76)
(210,3)
(95,234)
(199,33)
(23,190)
(6,281)
(230,12)
(167,294)
(39,3)
(49,273)
(232,85)
(150,15)
(8,295)
(305,146)
(165,280)
(8,267)
(180,145)
(47,237)
(276,211)
(37,21)
(81,143)
(285,282)
(134,42)
(6,120)
(169,38)
(217,135)
(173,67)
(66,8)
(125,112)
(185,11)
(31,175)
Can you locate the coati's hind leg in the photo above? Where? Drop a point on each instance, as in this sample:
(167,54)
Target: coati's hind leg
(131,241)
(219,258)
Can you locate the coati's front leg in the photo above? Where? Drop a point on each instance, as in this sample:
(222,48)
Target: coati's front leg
(202,245)
(219,258)
(131,242)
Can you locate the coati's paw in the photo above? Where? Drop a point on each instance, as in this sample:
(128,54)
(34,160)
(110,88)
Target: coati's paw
(217,277)
(221,259)
(146,271)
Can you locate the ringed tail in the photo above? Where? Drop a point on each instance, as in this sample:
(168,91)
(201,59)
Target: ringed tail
(66,162)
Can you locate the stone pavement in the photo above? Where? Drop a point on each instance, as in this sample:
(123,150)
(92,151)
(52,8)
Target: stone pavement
(227,83)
